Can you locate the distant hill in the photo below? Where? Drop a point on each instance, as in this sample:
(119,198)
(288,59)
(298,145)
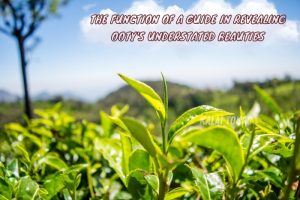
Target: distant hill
(6,96)
(45,96)
(182,97)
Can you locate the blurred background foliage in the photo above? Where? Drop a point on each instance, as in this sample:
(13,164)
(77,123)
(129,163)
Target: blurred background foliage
(61,155)
(181,97)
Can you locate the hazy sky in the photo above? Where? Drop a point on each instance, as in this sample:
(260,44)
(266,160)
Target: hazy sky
(73,56)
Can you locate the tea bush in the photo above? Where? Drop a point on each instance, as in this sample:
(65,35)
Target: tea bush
(206,153)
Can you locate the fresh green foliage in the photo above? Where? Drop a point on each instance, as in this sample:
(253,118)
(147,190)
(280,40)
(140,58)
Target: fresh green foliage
(268,100)
(149,94)
(205,153)
(142,135)
(193,116)
(51,157)
(225,141)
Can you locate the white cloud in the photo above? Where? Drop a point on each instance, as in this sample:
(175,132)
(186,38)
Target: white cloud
(145,7)
(88,7)
(256,6)
(211,7)
(275,33)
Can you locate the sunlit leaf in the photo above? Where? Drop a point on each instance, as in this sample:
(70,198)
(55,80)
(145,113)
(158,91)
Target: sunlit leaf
(201,183)
(106,124)
(56,182)
(54,161)
(222,139)
(5,189)
(42,131)
(149,95)
(126,151)
(27,189)
(20,150)
(242,119)
(263,126)
(33,138)
(272,143)
(142,135)
(153,181)
(15,127)
(268,100)
(137,185)
(13,168)
(53,184)
(216,185)
(273,175)
(176,193)
(166,97)
(119,122)
(139,159)
(111,150)
(193,116)
(116,111)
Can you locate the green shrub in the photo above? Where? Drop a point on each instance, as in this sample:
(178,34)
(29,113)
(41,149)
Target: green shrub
(206,153)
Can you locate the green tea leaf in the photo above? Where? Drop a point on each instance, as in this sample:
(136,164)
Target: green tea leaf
(222,139)
(15,127)
(139,159)
(106,124)
(54,161)
(153,181)
(13,168)
(142,135)
(242,118)
(72,177)
(136,184)
(69,178)
(166,98)
(266,143)
(279,148)
(273,175)
(116,111)
(33,138)
(264,127)
(5,189)
(20,150)
(176,193)
(126,151)
(42,131)
(193,116)
(148,94)
(53,184)
(164,122)
(27,189)
(119,123)
(216,185)
(111,150)
(201,183)
(268,100)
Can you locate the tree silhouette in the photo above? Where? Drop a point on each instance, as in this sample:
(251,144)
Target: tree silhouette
(20,19)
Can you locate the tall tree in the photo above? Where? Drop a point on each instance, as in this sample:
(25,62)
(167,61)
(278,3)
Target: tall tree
(20,19)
